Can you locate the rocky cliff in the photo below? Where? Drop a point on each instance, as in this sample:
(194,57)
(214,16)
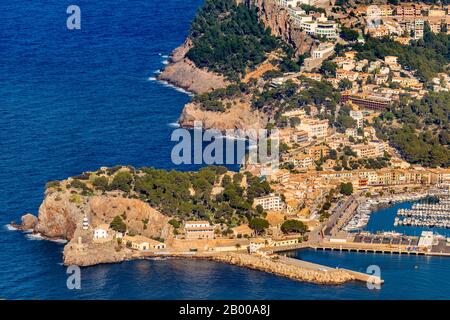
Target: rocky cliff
(238,116)
(277,19)
(61,216)
(183,73)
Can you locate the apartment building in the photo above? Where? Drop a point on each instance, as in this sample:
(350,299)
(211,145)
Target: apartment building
(300,136)
(271,202)
(198,230)
(315,128)
(302,161)
(367,100)
(408,10)
(370,150)
(388,177)
(318,152)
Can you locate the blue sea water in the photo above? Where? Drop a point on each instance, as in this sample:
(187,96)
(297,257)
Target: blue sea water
(383,220)
(72,101)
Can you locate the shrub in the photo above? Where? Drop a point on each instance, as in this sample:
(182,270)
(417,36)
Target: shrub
(122,181)
(118,225)
(101,183)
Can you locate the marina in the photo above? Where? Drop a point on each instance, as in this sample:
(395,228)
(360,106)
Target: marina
(362,214)
(430,215)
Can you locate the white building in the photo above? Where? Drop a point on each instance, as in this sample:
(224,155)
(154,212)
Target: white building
(314,128)
(85,223)
(295,3)
(101,232)
(256,244)
(198,230)
(323,51)
(426,239)
(358,117)
(271,202)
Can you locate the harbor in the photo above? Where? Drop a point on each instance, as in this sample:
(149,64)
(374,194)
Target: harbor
(363,212)
(430,215)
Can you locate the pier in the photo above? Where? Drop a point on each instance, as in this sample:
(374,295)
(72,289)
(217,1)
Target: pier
(359,276)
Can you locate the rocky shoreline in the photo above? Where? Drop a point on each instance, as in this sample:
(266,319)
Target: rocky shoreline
(183,73)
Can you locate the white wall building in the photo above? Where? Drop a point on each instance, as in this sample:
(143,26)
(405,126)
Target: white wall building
(101,232)
(314,128)
(323,51)
(358,117)
(271,202)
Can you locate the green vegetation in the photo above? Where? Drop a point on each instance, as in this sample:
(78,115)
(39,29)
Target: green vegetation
(52,184)
(117,224)
(428,56)
(289,97)
(122,181)
(229,38)
(213,101)
(294,226)
(175,223)
(259,225)
(419,128)
(101,183)
(309,8)
(349,34)
(189,195)
(346,188)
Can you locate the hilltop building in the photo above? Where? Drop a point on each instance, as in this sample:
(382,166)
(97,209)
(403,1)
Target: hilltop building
(198,230)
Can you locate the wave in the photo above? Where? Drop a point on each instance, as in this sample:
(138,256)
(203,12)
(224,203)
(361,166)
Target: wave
(165,62)
(167,84)
(152,79)
(157,258)
(10,227)
(174,125)
(62,241)
(39,237)
(35,236)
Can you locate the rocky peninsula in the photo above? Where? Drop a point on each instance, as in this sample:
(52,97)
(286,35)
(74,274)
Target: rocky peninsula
(184,73)
(105,224)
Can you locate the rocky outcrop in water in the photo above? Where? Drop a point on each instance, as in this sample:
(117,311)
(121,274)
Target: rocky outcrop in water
(239,116)
(89,254)
(61,216)
(183,73)
(29,221)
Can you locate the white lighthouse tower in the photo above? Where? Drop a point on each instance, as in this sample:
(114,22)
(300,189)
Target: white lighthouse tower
(85,223)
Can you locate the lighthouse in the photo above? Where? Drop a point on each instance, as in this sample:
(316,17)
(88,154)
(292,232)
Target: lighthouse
(85,223)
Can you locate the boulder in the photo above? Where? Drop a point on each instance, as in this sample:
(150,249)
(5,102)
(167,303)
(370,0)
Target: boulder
(29,221)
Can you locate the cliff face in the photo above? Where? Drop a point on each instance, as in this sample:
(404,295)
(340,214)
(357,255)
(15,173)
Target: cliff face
(61,214)
(183,73)
(277,19)
(58,216)
(239,116)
